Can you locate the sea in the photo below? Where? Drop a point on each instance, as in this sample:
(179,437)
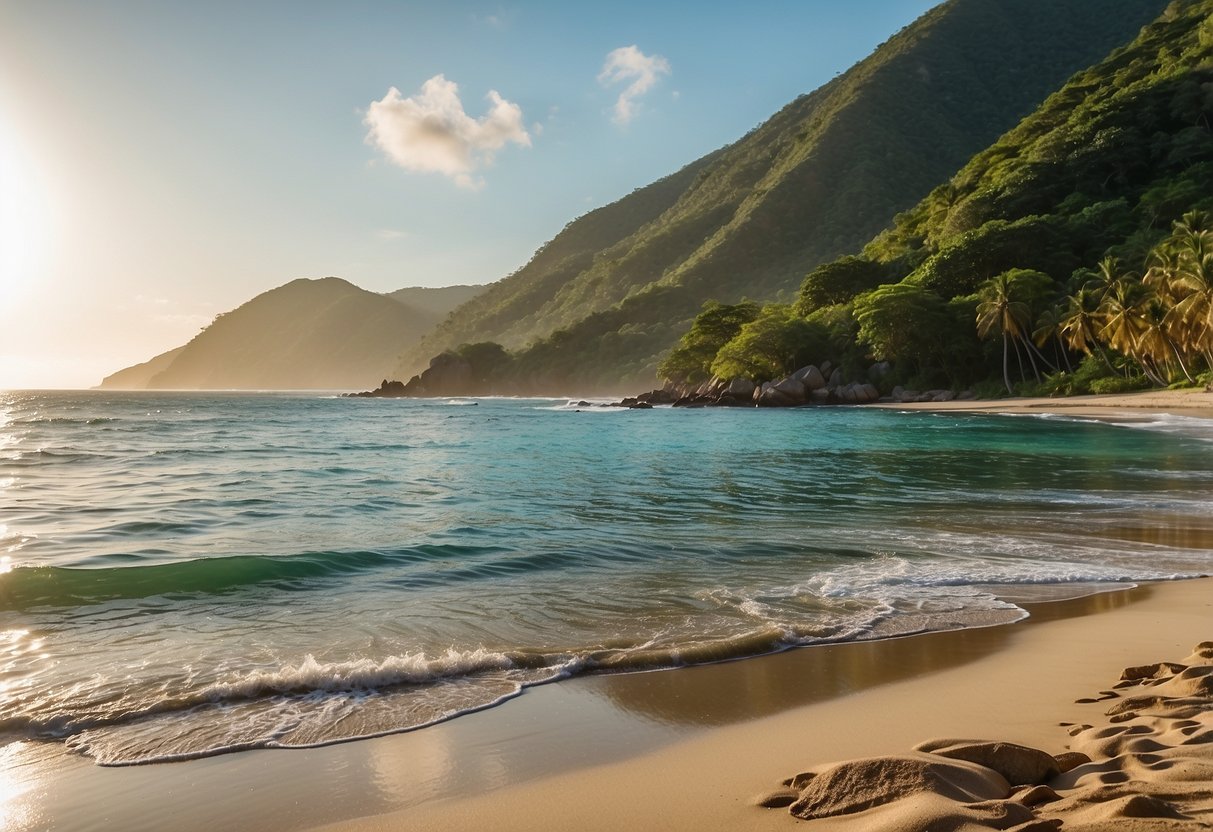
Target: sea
(189,574)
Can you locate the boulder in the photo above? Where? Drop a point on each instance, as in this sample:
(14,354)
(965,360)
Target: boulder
(740,388)
(945,396)
(772,397)
(870,393)
(810,376)
(835,380)
(826,367)
(658,397)
(819,396)
(793,389)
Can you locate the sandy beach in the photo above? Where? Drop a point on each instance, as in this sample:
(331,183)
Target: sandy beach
(1195,403)
(1013,683)
(702,747)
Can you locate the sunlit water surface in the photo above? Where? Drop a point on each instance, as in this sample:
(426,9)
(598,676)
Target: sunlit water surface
(186,574)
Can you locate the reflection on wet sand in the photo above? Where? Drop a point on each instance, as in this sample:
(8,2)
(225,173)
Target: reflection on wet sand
(722,694)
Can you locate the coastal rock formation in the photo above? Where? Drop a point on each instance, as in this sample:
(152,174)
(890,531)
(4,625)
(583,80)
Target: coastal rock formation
(813,384)
(449,374)
(385,390)
(1146,767)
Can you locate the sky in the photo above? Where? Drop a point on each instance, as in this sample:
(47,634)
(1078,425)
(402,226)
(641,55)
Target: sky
(162,162)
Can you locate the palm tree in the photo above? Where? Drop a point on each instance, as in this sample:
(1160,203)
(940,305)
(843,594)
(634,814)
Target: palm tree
(1106,278)
(1081,323)
(1191,247)
(1048,328)
(1000,310)
(1155,340)
(1122,319)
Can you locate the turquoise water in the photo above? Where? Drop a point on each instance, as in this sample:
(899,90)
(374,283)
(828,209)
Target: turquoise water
(186,574)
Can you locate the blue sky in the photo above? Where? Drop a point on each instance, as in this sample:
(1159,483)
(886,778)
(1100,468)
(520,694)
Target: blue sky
(164,162)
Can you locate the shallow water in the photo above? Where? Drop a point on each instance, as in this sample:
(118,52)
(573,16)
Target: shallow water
(194,573)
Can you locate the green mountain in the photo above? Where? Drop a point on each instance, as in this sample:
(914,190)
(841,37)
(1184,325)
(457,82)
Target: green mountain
(435,302)
(306,334)
(597,306)
(1077,232)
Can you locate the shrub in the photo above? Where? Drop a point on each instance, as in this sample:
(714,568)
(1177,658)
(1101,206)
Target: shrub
(1119,384)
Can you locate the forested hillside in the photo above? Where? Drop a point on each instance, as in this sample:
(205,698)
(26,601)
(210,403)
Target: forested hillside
(610,294)
(1082,232)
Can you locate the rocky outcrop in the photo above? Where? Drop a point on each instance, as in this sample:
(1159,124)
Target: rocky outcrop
(385,390)
(449,374)
(812,384)
(901,394)
(646,400)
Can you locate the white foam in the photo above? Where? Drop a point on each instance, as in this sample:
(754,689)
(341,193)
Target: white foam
(359,674)
(1194,427)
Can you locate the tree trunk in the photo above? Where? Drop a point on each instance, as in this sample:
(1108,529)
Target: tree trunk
(1065,356)
(1006,378)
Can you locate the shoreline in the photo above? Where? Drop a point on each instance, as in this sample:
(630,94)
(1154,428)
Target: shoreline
(692,745)
(1013,682)
(1193,403)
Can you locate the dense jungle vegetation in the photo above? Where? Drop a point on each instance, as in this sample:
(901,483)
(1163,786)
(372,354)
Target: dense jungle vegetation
(1075,254)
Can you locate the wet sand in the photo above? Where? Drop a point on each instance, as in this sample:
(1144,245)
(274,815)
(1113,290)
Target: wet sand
(808,707)
(660,750)
(1196,403)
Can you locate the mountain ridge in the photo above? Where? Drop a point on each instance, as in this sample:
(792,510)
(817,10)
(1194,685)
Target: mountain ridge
(309,333)
(817,179)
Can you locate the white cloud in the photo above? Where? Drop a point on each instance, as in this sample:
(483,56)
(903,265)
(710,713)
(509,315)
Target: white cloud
(627,63)
(500,19)
(430,132)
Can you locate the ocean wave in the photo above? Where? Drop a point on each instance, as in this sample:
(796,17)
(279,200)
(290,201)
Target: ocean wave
(64,420)
(24,586)
(1192,427)
(311,675)
(263,706)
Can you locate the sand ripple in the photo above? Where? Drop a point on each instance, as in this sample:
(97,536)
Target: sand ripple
(1145,765)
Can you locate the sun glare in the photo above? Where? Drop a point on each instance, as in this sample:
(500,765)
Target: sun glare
(25,216)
